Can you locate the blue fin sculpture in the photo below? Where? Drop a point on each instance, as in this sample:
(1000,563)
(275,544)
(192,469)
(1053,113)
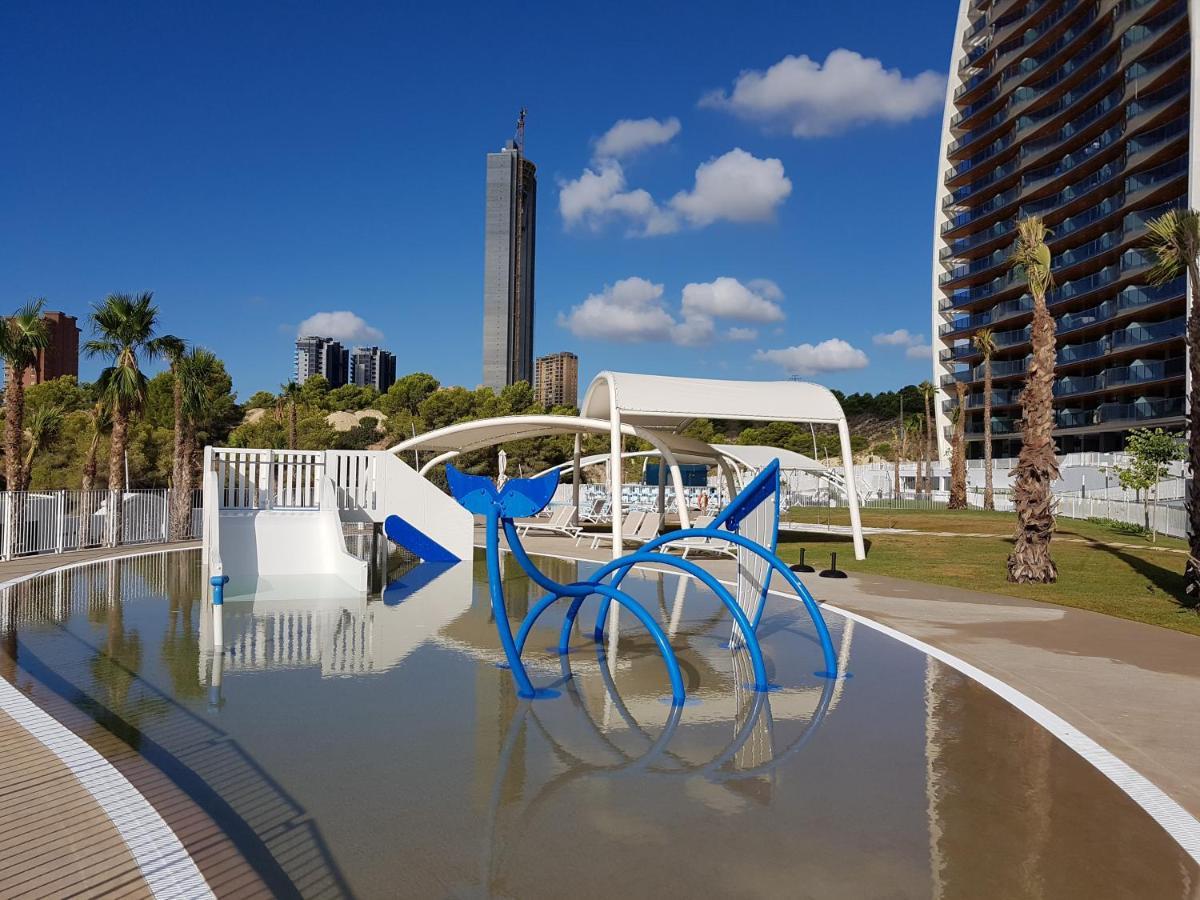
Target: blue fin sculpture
(528,496)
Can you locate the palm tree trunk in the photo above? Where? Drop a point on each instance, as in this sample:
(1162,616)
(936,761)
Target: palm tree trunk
(896,474)
(1191,572)
(116,472)
(958,457)
(182,508)
(989,500)
(177,463)
(292,424)
(14,427)
(1037,466)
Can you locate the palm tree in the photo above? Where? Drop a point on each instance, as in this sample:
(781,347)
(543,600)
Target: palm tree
(985,342)
(1037,466)
(289,397)
(99,424)
(173,349)
(958,455)
(195,373)
(21,337)
(44,423)
(927,391)
(1174,239)
(124,329)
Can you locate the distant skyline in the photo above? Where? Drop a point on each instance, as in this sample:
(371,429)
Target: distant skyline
(736,193)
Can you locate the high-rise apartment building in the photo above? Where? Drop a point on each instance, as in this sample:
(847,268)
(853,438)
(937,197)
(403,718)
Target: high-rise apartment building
(321,356)
(557,380)
(1078,112)
(372,367)
(61,356)
(508,268)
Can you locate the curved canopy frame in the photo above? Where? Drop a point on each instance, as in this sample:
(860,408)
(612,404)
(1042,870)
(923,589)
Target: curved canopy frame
(661,402)
(656,408)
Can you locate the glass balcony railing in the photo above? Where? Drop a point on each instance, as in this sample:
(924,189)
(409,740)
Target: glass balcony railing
(962,245)
(1103,175)
(978,131)
(1131,336)
(999,398)
(1168,171)
(1067,100)
(1000,283)
(1141,409)
(1156,137)
(1088,216)
(1001,143)
(970,109)
(1152,26)
(976,265)
(984,209)
(1136,335)
(1083,57)
(1121,376)
(1000,425)
(967,190)
(1148,65)
(1157,99)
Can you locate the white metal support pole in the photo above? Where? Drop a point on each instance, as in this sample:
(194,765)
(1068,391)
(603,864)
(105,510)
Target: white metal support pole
(576,476)
(614,480)
(662,487)
(6,547)
(166,522)
(851,493)
(59,512)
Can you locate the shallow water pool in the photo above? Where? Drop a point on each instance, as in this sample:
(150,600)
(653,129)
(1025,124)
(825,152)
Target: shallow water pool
(373,748)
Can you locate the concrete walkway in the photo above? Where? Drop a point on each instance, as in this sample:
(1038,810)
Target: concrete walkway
(56,839)
(1133,688)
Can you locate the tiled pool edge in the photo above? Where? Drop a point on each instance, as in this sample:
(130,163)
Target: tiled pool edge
(166,866)
(1181,825)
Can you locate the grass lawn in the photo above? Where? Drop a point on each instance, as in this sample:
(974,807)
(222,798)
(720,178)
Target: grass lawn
(1098,568)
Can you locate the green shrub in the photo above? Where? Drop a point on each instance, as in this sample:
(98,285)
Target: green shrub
(1120,527)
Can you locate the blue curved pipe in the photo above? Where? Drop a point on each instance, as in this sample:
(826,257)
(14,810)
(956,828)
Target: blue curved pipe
(500,609)
(732,537)
(513,648)
(625,563)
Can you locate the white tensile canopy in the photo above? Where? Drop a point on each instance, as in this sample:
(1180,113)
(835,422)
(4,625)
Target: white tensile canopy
(655,408)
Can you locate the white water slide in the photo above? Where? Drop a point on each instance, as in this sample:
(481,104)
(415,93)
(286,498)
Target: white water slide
(279,519)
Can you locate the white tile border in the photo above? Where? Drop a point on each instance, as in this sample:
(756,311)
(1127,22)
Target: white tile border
(164,862)
(1181,825)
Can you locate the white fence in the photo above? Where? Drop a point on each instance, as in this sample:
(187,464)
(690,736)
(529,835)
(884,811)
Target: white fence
(33,522)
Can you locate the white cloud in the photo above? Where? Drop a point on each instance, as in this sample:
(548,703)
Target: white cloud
(915,346)
(341,325)
(633,310)
(765,287)
(600,195)
(920,351)
(629,311)
(730,299)
(833,355)
(630,136)
(738,187)
(814,100)
(901,337)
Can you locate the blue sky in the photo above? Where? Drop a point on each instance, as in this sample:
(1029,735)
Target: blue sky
(257,164)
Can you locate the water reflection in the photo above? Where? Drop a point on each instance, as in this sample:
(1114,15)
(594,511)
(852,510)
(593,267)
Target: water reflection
(370,747)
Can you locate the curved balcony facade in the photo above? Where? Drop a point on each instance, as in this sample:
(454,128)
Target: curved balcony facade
(1079,111)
